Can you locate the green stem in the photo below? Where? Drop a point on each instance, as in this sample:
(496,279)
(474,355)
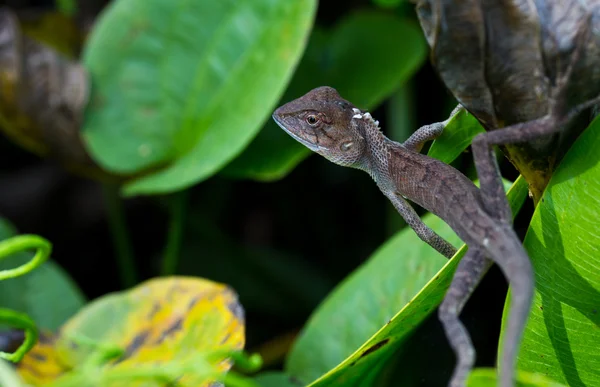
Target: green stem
(120,235)
(178,206)
(400,125)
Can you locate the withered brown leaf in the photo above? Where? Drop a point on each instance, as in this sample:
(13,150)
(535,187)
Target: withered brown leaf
(42,96)
(500,59)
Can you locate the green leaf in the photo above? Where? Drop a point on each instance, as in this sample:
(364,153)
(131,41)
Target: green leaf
(186,84)
(276,379)
(456,137)
(356,329)
(562,338)
(486,377)
(8,376)
(362,58)
(6,229)
(47,294)
(366,301)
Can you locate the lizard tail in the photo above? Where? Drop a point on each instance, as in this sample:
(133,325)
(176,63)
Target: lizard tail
(514,262)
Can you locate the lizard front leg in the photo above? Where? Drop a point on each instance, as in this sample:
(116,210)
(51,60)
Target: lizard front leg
(428,132)
(425,233)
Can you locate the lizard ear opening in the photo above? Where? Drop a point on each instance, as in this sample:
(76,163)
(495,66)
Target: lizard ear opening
(346,146)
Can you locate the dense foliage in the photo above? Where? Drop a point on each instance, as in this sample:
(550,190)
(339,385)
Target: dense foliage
(195,187)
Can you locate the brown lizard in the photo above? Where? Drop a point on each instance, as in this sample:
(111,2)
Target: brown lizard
(334,128)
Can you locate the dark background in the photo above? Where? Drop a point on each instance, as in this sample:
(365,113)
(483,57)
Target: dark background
(327,217)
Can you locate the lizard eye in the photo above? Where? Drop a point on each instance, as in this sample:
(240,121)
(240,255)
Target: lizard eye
(312,120)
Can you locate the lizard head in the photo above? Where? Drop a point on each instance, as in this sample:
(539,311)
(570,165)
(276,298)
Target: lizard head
(323,121)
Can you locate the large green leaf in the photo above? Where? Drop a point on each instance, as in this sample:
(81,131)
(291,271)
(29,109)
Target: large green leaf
(486,377)
(362,58)
(276,379)
(186,84)
(47,294)
(562,338)
(356,329)
(366,301)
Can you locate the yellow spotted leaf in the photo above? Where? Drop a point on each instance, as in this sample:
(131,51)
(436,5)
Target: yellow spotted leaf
(41,364)
(160,326)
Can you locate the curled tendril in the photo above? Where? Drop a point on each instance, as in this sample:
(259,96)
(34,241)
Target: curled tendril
(21,243)
(19,320)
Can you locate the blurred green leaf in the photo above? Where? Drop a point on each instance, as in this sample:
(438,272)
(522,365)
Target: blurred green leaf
(388,3)
(8,376)
(486,377)
(362,58)
(562,338)
(67,7)
(356,329)
(6,229)
(456,137)
(276,379)
(186,84)
(47,294)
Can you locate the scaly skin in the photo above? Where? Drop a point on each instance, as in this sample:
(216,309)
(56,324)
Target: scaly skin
(332,127)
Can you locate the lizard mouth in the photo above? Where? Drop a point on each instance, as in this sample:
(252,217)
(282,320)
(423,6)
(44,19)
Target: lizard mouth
(313,147)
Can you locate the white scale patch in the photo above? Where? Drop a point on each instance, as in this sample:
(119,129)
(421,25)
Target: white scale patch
(376,143)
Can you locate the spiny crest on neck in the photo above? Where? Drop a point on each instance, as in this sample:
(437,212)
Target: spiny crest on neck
(377,144)
(366,117)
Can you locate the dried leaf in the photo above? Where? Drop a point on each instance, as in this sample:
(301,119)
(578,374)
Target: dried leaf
(501,58)
(42,96)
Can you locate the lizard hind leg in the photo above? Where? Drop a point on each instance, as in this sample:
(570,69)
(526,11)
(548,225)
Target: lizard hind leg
(509,254)
(469,273)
